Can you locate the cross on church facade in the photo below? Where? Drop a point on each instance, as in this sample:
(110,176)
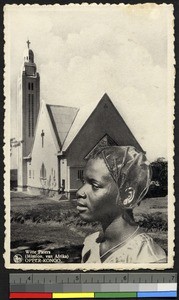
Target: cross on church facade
(42,136)
(28,43)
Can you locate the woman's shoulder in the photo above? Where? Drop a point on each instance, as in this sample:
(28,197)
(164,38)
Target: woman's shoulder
(147,250)
(141,249)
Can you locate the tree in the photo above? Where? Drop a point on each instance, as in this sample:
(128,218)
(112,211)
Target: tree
(160,169)
(159,184)
(14,143)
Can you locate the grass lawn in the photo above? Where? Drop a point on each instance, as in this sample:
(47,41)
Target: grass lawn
(38,222)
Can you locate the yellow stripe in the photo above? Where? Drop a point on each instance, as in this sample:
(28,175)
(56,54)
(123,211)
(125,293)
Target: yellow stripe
(72,295)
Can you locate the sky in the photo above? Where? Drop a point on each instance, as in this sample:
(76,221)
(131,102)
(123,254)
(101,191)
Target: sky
(84,51)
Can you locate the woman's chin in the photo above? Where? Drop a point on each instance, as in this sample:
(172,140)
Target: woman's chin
(85,217)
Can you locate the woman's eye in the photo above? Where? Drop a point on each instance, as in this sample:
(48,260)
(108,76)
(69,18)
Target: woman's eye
(95,186)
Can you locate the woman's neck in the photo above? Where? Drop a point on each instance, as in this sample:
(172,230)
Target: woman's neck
(117,230)
(115,233)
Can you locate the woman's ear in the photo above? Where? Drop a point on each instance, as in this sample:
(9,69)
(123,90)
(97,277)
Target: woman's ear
(128,196)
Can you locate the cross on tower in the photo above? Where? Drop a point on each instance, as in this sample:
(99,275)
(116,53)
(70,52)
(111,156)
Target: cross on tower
(42,136)
(28,43)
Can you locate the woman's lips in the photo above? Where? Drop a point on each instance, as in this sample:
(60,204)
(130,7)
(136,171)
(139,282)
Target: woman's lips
(81,207)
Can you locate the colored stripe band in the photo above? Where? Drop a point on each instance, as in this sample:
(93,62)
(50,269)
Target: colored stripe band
(72,295)
(163,294)
(30,295)
(157,294)
(116,295)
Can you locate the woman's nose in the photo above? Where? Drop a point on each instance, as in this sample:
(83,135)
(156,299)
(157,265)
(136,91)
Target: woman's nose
(81,193)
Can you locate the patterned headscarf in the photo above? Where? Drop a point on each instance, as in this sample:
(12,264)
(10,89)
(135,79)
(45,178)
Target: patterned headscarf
(129,168)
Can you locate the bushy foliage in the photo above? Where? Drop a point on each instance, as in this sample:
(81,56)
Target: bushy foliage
(71,217)
(159,184)
(153,222)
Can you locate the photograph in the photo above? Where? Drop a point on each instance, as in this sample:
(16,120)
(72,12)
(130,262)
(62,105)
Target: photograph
(89,112)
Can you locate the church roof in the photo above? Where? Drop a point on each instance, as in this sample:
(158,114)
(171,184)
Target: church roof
(84,113)
(62,118)
(68,122)
(82,116)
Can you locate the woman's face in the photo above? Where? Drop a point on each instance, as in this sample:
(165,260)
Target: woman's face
(96,199)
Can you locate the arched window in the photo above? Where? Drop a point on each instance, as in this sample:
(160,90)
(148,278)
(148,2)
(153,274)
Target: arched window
(43,172)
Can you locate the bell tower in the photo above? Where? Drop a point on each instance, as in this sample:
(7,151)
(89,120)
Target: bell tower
(28,102)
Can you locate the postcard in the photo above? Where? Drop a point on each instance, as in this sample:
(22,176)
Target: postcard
(88,131)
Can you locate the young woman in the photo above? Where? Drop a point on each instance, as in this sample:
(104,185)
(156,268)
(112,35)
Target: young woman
(115,181)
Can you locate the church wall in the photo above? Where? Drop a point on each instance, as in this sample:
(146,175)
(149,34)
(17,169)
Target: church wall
(43,172)
(19,133)
(22,166)
(19,110)
(76,174)
(22,170)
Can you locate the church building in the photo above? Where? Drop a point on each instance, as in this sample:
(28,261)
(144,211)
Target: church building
(57,140)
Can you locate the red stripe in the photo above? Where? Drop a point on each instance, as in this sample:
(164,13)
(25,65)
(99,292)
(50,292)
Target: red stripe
(30,295)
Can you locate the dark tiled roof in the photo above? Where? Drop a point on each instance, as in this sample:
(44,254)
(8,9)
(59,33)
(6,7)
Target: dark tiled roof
(62,118)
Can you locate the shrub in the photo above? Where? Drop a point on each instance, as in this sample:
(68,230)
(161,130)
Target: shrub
(153,221)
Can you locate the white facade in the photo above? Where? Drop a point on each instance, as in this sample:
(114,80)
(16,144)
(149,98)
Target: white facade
(43,169)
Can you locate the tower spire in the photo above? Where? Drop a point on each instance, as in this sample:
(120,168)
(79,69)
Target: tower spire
(28,54)
(28,43)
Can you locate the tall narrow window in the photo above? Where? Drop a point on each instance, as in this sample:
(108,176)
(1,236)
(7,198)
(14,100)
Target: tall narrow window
(42,136)
(29,113)
(32,86)
(80,174)
(43,171)
(28,85)
(32,114)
